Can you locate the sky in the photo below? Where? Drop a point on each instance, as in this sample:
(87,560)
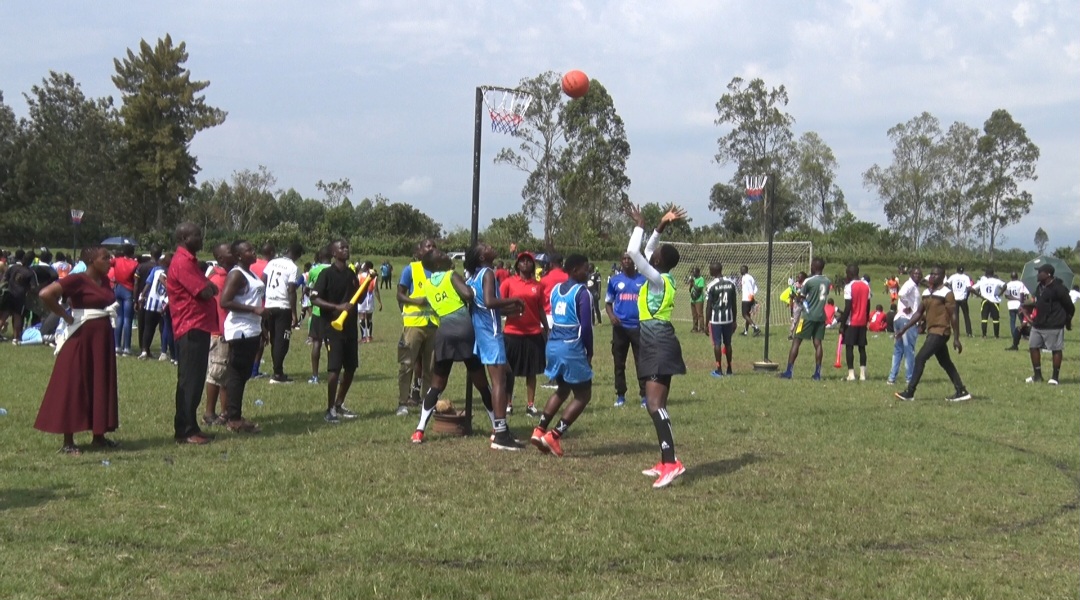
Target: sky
(383,93)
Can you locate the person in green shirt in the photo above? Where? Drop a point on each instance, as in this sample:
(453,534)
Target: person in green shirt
(813,294)
(315,326)
(697,301)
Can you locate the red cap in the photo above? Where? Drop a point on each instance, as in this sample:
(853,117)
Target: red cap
(526,254)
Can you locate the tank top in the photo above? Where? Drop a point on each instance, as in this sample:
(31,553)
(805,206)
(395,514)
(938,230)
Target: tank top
(566,323)
(156,299)
(245,324)
(486,320)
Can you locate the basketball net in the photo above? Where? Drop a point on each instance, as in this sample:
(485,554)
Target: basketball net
(507,108)
(76,217)
(755,187)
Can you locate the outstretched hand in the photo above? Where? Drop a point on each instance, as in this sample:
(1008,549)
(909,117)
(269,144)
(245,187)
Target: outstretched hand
(674,213)
(634,212)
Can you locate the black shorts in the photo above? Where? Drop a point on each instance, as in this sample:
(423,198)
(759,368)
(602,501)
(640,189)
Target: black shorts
(576,388)
(317,328)
(342,352)
(721,333)
(748,306)
(855,336)
(442,368)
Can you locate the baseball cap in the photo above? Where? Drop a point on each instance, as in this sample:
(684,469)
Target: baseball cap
(528,255)
(1047,268)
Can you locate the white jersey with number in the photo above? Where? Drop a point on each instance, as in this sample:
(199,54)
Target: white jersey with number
(1014,290)
(280,273)
(749,287)
(990,289)
(960,283)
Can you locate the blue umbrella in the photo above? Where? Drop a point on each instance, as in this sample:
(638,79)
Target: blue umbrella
(118,241)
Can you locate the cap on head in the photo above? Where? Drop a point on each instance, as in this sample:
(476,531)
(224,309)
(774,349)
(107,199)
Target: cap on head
(1046,268)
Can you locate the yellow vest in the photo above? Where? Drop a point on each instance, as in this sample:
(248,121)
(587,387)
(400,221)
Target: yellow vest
(665,303)
(418,316)
(443,298)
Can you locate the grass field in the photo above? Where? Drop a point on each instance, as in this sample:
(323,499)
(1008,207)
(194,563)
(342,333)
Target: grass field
(793,490)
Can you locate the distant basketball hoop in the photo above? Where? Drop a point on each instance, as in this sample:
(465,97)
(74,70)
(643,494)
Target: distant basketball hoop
(76,217)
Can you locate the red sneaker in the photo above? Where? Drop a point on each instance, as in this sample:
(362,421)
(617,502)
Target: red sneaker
(668,473)
(537,440)
(552,443)
(653,471)
(417,437)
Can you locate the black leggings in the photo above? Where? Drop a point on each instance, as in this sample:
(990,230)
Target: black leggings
(990,312)
(148,326)
(237,372)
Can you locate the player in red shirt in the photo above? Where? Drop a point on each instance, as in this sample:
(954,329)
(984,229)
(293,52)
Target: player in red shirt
(501,274)
(877,320)
(551,279)
(523,334)
(854,319)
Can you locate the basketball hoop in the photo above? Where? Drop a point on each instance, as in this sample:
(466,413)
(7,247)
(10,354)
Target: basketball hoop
(76,217)
(755,187)
(506,107)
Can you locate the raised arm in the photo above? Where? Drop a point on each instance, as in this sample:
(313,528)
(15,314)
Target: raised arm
(633,248)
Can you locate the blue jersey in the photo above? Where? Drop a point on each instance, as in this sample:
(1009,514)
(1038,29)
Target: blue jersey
(569,346)
(622,294)
(486,321)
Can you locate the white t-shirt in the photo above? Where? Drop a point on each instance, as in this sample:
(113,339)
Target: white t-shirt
(749,287)
(1074,296)
(960,283)
(990,288)
(280,273)
(244,324)
(1013,290)
(907,301)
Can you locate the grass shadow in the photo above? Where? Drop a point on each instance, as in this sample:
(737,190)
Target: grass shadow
(30,497)
(721,467)
(619,449)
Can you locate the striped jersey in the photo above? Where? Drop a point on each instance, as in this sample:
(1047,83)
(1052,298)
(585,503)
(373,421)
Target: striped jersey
(156,298)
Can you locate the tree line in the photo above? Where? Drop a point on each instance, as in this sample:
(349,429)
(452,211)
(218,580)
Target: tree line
(130,169)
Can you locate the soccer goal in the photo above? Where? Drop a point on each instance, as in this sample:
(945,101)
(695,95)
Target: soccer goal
(788,259)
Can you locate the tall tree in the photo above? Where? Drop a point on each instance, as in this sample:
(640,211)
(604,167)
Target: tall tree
(1008,158)
(593,185)
(542,138)
(961,179)
(251,200)
(10,138)
(908,187)
(1041,241)
(818,199)
(162,111)
(335,192)
(760,141)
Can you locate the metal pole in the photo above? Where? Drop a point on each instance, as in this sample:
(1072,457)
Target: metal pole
(478,117)
(770,194)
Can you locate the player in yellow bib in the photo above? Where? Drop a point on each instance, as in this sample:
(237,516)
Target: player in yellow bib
(661,354)
(416,346)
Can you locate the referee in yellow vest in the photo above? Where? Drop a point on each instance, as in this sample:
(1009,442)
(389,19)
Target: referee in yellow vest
(416,348)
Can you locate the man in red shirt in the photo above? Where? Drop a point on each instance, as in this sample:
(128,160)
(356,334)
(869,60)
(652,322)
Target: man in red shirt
(524,332)
(194,318)
(219,348)
(854,319)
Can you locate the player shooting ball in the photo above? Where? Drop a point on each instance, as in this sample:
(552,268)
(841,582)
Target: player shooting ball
(661,354)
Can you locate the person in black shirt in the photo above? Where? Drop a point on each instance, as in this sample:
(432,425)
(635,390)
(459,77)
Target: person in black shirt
(20,280)
(1053,315)
(331,293)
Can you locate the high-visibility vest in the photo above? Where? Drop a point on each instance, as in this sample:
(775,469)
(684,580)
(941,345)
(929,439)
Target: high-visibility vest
(443,298)
(418,316)
(667,301)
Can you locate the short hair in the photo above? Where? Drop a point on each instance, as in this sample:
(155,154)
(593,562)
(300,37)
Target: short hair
(235,247)
(669,256)
(296,249)
(554,258)
(267,249)
(88,253)
(572,262)
(183,230)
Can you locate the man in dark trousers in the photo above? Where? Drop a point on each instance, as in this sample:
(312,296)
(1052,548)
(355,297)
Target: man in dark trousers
(621,304)
(1053,315)
(331,293)
(938,309)
(194,318)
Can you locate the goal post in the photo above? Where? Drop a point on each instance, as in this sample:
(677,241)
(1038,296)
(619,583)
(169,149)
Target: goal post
(788,259)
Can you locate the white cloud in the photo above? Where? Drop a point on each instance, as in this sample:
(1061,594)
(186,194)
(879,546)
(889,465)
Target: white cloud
(415,185)
(1022,14)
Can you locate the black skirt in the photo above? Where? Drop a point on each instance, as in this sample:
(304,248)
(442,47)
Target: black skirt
(525,354)
(455,337)
(660,352)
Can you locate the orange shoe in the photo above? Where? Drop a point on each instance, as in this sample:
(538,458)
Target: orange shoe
(537,440)
(653,471)
(552,443)
(668,473)
(417,437)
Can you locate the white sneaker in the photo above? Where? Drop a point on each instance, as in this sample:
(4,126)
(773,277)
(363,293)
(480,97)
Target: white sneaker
(402,411)
(1033,380)
(851,377)
(1052,381)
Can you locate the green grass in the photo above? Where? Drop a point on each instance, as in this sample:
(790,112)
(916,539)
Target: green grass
(793,490)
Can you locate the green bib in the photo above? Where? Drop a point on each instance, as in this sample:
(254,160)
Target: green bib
(441,295)
(657,306)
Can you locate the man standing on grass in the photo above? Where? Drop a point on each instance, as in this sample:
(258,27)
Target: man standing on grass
(194,317)
(416,347)
(1053,315)
(853,321)
(1015,291)
(990,287)
(749,292)
(316,334)
(814,293)
(697,301)
(961,287)
(938,309)
(331,293)
(720,314)
(904,348)
(280,278)
(621,304)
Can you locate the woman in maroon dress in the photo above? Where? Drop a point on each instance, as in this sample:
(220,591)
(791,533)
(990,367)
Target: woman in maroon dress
(82,389)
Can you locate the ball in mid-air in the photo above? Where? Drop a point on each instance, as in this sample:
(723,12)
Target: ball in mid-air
(575,84)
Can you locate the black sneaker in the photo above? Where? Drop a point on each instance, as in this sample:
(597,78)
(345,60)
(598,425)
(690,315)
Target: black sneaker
(959,396)
(505,441)
(280,379)
(331,417)
(905,395)
(757,332)
(1012,348)
(344,413)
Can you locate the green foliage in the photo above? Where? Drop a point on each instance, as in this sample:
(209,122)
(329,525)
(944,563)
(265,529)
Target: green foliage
(818,200)
(1008,157)
(162,111)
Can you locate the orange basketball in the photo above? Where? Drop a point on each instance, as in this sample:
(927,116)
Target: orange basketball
(575,84)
